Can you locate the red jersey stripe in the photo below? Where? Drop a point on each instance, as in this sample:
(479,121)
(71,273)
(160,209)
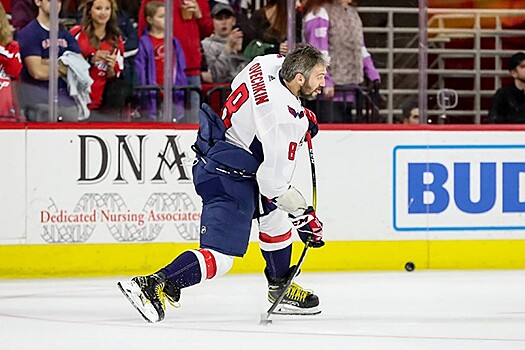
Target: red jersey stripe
(277,239)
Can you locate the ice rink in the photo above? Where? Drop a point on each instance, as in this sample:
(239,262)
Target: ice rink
(374,310)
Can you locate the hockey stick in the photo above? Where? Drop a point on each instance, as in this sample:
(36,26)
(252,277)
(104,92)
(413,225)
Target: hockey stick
(265,318)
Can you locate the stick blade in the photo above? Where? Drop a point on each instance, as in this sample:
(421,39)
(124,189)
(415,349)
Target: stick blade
(265,319)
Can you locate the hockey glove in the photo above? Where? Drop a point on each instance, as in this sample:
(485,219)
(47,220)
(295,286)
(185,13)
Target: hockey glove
(292,202)
(309,228)
(313,126)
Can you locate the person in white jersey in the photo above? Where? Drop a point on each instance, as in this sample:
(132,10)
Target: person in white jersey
(246,161)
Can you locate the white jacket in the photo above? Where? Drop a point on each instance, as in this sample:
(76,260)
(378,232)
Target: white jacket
(78,81)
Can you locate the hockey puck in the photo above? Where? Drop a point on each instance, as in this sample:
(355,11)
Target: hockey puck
(409,266)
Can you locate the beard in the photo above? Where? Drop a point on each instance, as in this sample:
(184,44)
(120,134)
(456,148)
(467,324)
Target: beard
(307,92)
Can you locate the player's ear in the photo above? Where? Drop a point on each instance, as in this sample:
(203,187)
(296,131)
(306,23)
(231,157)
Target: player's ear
(300,79)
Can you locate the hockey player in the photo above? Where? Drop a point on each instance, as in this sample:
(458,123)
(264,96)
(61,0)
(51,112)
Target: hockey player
(246,160)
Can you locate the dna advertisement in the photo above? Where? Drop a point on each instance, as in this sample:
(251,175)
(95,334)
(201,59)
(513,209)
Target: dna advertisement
(109,186)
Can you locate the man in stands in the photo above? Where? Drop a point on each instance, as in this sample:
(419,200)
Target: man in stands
(34,49)
(508,104)
(223,49)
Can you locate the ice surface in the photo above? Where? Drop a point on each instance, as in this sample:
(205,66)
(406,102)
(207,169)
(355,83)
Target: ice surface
(374,310)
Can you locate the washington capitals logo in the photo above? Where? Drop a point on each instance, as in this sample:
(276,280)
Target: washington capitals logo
(295,113)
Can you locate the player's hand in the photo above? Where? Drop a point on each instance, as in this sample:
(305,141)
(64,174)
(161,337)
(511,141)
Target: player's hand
(309,228)
(313,126)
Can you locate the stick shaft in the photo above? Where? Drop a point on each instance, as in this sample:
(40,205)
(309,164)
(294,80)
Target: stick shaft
(312,169)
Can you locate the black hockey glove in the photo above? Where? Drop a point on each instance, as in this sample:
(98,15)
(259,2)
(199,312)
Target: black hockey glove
(313,126)
(309,228)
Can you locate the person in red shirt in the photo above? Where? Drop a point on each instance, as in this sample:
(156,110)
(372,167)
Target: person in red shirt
(10,67)
(191,23)
(6,5)
(100,43)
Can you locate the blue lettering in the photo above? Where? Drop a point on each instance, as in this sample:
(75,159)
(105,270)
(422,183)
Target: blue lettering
(511,187)
(417,187)
(487,188)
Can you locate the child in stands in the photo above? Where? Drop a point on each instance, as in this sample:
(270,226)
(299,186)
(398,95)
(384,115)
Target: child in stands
(149,64)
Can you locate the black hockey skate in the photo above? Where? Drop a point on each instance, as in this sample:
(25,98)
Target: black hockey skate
(148,293)
(296,301)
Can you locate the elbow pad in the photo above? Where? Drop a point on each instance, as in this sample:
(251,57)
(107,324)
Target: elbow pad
(292,201)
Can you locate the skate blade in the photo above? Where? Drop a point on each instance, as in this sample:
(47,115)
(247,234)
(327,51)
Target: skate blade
(292,311)
(133,293)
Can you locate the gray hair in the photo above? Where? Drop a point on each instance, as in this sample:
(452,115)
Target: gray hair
(302,60)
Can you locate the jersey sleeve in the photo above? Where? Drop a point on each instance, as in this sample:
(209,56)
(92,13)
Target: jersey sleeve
(119,66)
(10,59)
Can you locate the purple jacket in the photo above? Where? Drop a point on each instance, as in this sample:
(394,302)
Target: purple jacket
(147,75)
(316,27)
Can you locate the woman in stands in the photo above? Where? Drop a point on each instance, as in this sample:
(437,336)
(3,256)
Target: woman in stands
(335,28)
(10,67)
(269,25)
(99,39)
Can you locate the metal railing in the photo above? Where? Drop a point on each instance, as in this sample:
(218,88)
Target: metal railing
(396,56)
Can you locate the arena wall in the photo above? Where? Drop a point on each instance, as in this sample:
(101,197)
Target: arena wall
(107,199)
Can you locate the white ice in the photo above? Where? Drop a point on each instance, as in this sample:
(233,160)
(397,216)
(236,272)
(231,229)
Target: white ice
(376,310)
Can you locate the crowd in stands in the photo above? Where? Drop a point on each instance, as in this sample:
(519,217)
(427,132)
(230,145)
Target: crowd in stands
(111,55)
(111,58)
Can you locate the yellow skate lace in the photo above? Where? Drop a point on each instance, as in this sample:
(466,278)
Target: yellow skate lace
(295,292)
(159,290)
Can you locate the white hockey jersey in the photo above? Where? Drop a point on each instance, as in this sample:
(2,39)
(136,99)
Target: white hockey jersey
(262,109)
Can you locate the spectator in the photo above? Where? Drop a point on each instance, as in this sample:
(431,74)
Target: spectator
(10,67)
(223,49)
(70,10)
(23,12)
(6,4)
(34,50)
(410,112)
(241,9)
(100,43)
(334,26)
(269,26)
(127,22)
(131,8)
(508,103)
(191,23)
(149,63)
